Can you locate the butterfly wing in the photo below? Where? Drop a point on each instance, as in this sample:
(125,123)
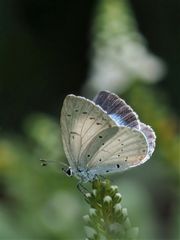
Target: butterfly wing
(81,121)
(151,138)
(125,149)
(117,108)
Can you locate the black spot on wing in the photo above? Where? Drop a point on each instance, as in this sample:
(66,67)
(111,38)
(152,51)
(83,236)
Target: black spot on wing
(126,158)
(74,135)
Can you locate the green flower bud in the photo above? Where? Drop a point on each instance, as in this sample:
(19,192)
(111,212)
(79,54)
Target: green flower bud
(124,212)
(88,195)
(133,232)
(92,212)
(86,218)
(107,199)
(117,207)
(114,188)
(127,223)
(94,192)
(117,198)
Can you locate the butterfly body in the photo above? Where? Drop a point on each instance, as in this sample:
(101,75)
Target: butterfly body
(103,136)
(84,174)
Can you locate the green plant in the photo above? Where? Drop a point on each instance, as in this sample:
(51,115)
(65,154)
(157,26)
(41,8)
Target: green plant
(107,219)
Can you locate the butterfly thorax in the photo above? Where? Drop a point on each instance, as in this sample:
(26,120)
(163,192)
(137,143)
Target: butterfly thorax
(83,174)
(80,173)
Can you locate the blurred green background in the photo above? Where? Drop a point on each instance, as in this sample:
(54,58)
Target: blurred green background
(52,48)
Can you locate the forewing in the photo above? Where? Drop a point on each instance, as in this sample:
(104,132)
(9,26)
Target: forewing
(127,148)
(117,108)
(81,121)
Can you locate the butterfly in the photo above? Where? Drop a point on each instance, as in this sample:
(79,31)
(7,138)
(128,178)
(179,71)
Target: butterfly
(103,136)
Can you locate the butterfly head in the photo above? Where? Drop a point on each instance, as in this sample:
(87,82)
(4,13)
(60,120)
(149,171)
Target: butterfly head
(82,174)
(68,171)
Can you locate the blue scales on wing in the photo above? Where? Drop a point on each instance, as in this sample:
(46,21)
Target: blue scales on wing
(117,109)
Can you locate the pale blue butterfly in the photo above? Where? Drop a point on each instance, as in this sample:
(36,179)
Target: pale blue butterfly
(103,136)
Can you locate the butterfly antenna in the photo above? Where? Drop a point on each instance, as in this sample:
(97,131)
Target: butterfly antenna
(45,162)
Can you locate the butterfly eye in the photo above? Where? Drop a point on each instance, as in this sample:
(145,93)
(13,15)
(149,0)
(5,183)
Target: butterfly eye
(68,171)
(118,166)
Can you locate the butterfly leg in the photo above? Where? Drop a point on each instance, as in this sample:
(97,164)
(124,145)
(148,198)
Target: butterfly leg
(82,189)
(99,177)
